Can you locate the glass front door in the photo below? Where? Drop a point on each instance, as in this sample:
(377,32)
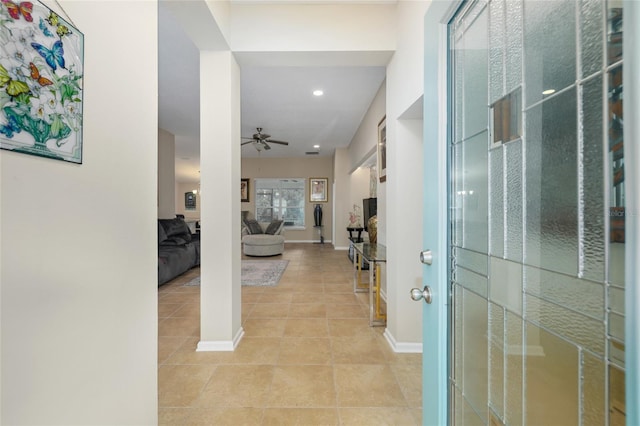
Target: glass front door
(536,213)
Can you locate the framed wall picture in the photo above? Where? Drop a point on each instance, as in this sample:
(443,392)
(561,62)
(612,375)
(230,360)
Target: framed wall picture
(318,190)
(244,190)
(189,200)
(382,149)
(41,75)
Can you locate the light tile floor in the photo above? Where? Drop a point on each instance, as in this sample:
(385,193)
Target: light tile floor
(308,356)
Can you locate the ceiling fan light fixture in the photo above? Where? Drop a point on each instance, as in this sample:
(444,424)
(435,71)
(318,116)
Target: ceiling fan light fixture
(318,92)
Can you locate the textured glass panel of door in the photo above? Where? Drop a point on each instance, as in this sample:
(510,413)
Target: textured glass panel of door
(537,213)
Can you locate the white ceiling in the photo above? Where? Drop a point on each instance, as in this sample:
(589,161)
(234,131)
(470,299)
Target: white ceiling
(277,98)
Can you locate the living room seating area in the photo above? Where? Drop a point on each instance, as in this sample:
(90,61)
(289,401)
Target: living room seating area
(178,249)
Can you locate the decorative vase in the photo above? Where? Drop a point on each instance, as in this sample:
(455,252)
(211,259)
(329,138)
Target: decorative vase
(372,226)
(317,215)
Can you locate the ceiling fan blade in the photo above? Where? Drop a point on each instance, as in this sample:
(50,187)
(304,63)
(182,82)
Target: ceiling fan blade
(278,142)
(266,146)
(244,143)
(244,137)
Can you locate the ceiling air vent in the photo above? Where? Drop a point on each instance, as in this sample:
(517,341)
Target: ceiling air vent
(312,153)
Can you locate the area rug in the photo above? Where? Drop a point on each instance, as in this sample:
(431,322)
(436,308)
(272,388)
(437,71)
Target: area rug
(257,273)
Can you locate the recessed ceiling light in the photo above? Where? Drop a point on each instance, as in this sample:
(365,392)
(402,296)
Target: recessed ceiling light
(316,146)
(318,93)
(549,91)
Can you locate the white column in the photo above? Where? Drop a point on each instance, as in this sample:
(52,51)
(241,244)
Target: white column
(220,320)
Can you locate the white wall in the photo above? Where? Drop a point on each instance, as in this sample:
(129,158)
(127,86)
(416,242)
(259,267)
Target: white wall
(403,189)
(312,27)
(78,248)
(166,175)
(365,141)
(353,188)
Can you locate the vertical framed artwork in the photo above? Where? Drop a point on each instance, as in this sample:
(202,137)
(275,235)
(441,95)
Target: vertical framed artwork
(244,190)
(189,200)
(318,190)
(382,149)
(41,72)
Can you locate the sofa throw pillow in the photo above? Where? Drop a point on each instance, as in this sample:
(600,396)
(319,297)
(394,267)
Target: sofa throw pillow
(176,228)
(253,226)
(162,235)
(274,227)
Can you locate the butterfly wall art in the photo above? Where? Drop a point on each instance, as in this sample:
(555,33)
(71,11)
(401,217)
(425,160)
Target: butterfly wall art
(41,71)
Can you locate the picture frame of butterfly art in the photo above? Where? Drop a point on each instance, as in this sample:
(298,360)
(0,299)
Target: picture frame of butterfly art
(41,69)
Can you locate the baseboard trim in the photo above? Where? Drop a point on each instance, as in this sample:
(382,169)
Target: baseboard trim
(221,345)
(402,347)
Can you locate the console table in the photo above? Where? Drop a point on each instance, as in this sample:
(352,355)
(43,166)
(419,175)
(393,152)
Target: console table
(374,254)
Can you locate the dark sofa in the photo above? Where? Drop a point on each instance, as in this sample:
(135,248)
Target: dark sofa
(178,249)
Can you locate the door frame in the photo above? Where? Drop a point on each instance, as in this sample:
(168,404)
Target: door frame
(631,21)
(435,325)
(435,380)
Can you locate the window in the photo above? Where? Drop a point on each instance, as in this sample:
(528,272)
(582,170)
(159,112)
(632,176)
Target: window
(281,199)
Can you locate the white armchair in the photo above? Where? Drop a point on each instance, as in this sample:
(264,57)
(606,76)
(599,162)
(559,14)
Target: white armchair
(263,239)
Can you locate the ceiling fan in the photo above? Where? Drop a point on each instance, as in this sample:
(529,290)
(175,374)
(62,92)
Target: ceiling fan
(259,140)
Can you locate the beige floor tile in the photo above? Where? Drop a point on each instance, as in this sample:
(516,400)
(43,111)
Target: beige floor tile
(237,386)
(250,350)
(257,350)
(251,297)
(167,346)
(180,385)
(280,297)
(270,310)
(225,417)
(308,288)
(297,350)
(367,385)
(252,289)
(302,386)
(307,310)
(338,288)
(341,298)
(181,298)
(166,309)
(417,415)
(307,327)
(284,287)
(264,327)
(173,416)
(377,416)
(399,358)
(346,311)
(295,364)
(409,377)
(191,309)
(179,326)
(360,349)
(246,309)
(308,297)
(349,327)
(300,416)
